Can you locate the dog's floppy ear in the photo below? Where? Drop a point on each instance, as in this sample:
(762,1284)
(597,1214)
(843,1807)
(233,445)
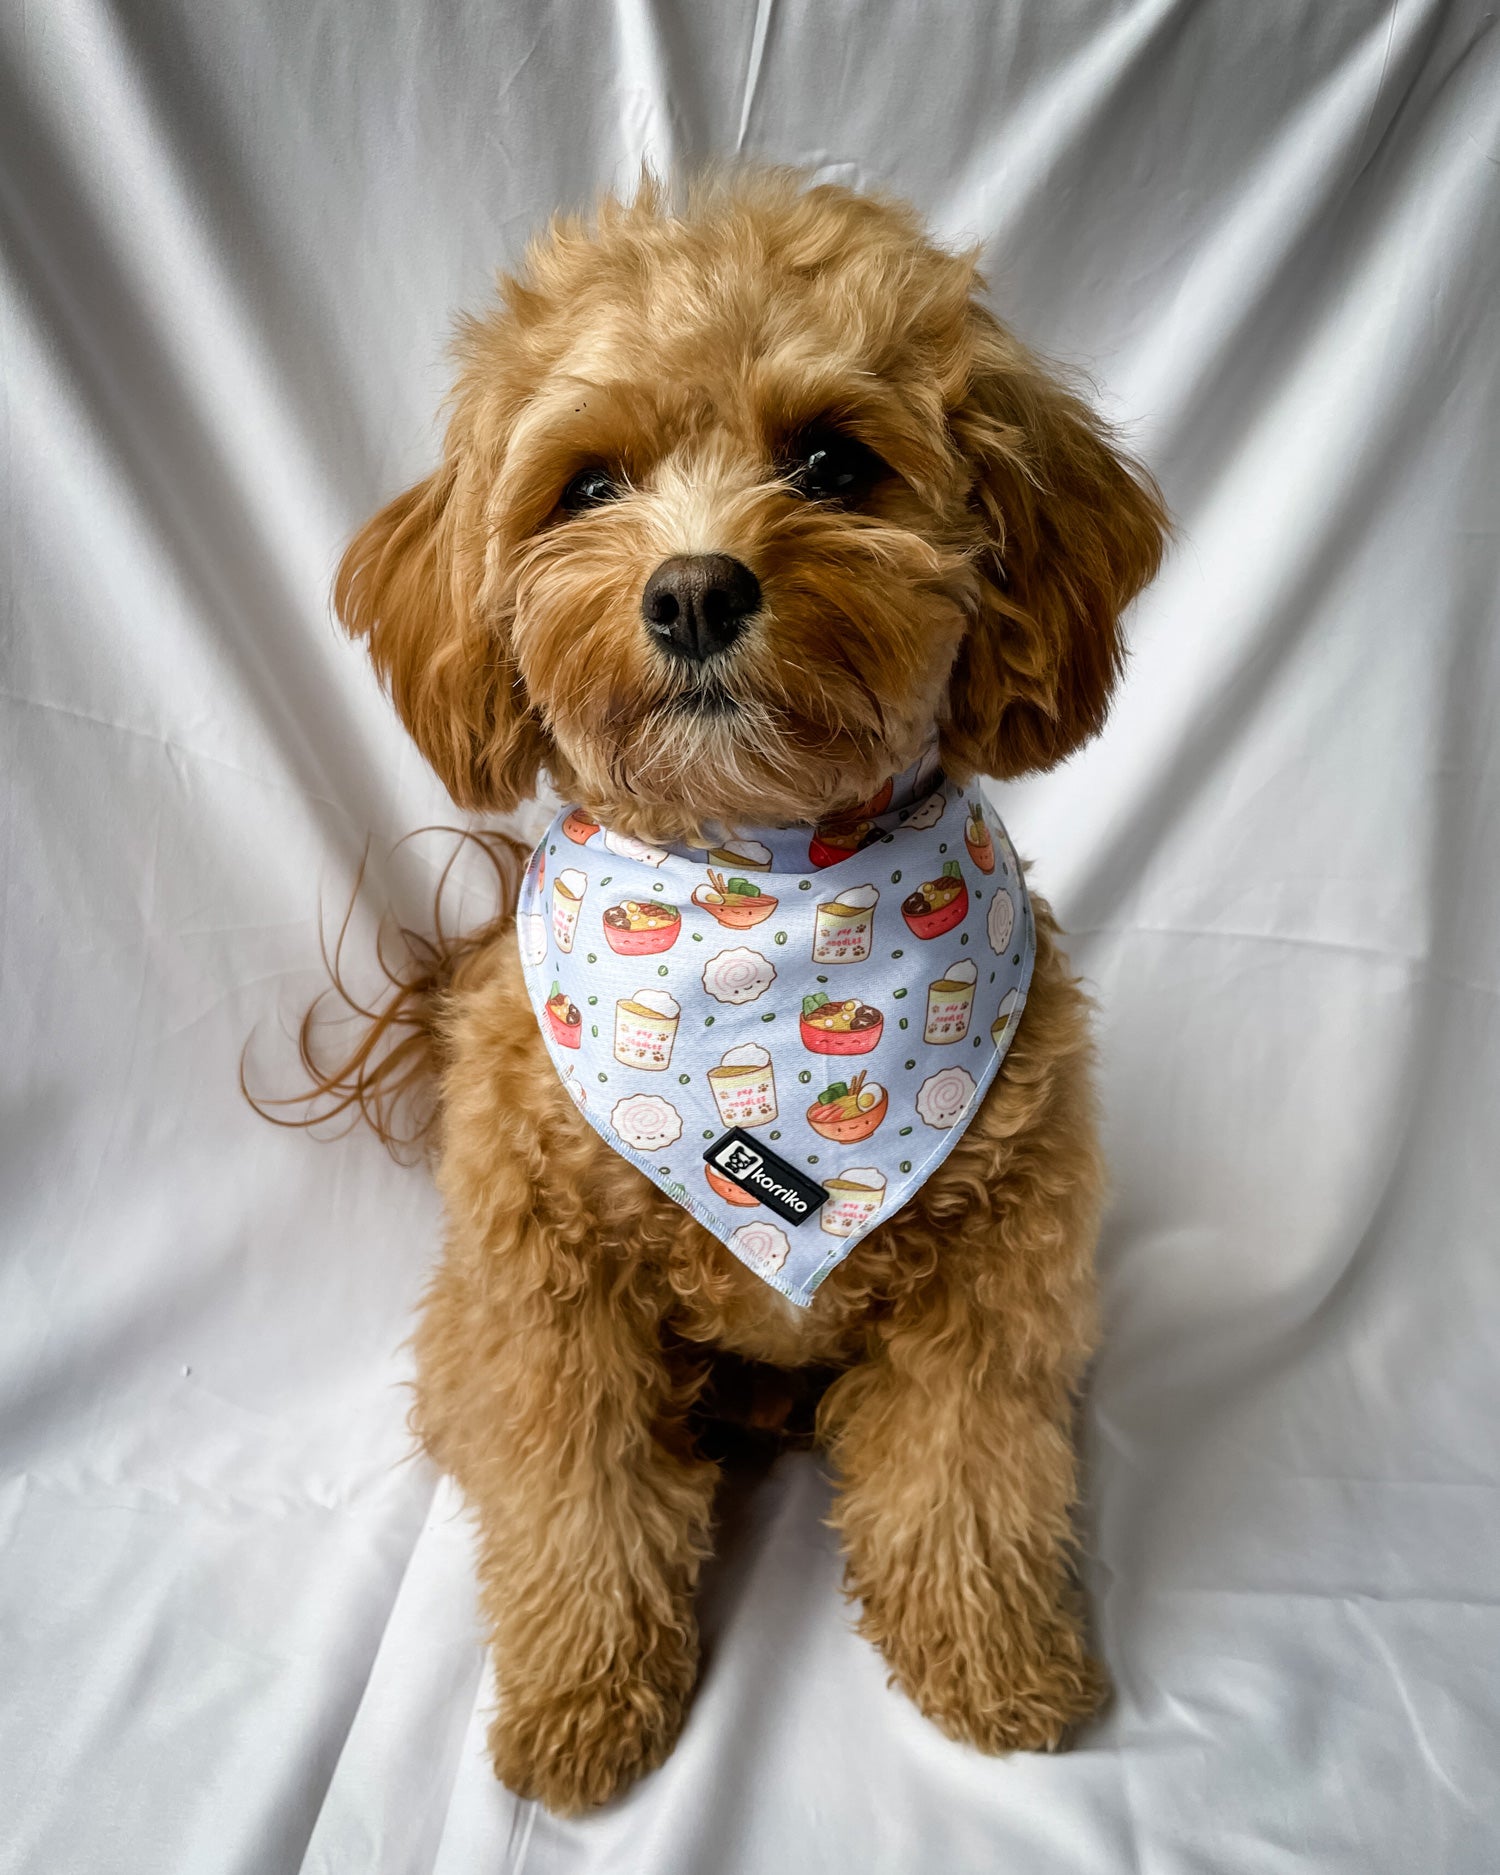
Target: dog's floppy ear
(1074,530)
(409,585)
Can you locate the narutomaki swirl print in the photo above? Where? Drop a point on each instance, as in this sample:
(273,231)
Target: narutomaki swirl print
(786,1032)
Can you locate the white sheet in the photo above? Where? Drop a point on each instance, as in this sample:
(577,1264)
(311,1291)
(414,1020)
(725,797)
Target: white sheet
(238,1632)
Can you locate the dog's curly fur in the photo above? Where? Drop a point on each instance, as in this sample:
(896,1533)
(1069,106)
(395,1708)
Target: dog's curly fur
(683,344)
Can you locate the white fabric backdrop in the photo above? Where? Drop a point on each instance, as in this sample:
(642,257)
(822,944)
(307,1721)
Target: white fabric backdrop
(237,1630)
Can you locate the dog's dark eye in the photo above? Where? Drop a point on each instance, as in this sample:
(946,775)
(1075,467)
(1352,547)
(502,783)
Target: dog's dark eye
(590,488)
(828,466)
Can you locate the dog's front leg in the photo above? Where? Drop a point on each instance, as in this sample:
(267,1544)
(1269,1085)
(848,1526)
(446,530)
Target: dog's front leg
(559,1415)
(957,1478)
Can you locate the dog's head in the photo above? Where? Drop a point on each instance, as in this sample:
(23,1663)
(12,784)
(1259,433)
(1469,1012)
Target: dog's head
(740,502)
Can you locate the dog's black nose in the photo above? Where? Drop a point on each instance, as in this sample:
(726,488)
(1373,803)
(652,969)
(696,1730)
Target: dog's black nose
(697,603)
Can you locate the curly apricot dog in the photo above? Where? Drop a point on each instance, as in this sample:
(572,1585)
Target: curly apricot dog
(939,540)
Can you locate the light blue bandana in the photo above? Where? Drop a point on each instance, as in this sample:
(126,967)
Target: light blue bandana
(787,1033)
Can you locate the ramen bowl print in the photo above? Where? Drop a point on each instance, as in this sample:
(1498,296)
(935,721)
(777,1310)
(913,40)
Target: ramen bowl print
(978,841)
(734,903)
(938,904)
(563,1018)
(641,927)
(579,827)
(728,1190)
(847,1111)
(849,1027)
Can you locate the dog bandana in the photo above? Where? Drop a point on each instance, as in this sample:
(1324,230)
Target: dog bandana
(786,1032)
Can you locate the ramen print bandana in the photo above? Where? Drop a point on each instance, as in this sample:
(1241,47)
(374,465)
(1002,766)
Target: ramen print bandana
(787,1032)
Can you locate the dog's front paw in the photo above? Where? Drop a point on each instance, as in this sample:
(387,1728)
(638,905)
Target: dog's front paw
(572,1747)
(1018,1685)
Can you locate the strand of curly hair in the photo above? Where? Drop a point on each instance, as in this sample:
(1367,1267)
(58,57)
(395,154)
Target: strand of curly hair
(387,1080)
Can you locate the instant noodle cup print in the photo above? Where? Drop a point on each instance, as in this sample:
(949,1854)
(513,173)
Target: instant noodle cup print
(646,1121)
(765,1247)
(533,931)
(741,856)
(950,1003)
(1000,921)
(943,1098)
(854,1197)
(744,1086)
(1006,1018)
(568,889)
(738,976)
(645,1029)
(641,927)
(844,930)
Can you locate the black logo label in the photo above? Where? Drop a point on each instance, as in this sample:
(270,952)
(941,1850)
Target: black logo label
(780,1187)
